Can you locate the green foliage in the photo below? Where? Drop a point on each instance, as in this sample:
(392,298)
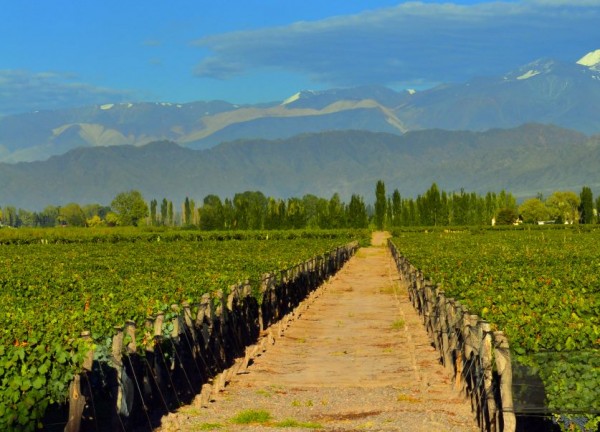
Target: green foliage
(357,213)
(380,204)
(249,210)
(293,423)
(212,216)
(55,283)
(130,207)
(506,216)
(539,286)
(534,210)
(436,208)
(71,215)
(586,207)
(564,206)
(252,416)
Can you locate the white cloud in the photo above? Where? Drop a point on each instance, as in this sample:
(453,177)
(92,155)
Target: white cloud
(24,91)
(412,44)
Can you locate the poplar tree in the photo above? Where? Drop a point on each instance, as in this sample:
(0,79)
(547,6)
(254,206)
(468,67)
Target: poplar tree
(586,207)
(187,212)
(170,214)
(153,205)
(164,209)
(380,204)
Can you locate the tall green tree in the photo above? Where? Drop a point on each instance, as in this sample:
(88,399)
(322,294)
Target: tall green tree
(315,209)
(153,205)
(91,210)
(10,216)
(564,206)
(170,214)
(357,213)
(130,207)
(229,221)
(72,215)
(295,214)
(275,217)
(506,216)
(586,207)
(432,206)
(27,218)
(187,212)
(250,210)
(211,213)
(444,214)
(534,210)
(164,211)
(335,212)
(396,208)
(49,216)
(380,204)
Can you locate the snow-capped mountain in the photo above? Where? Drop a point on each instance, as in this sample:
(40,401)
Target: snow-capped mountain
(591,60)
(544,91)
(549,91)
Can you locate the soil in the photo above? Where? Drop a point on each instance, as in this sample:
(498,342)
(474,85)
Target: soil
(357,358)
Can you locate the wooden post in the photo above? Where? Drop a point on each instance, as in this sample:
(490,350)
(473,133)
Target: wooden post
(460,340)
(486,360)
(158,368)
(189,328)
(176,323)
(158,325)
(77,401)
(504,368)
(130,332)
(117,360)
(444,328)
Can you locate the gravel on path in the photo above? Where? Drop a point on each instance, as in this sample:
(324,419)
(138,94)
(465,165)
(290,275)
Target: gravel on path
(357,358)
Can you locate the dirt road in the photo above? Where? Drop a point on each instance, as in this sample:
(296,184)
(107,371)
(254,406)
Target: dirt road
(358,359)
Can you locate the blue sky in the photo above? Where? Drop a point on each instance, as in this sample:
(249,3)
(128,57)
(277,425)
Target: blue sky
(65,54)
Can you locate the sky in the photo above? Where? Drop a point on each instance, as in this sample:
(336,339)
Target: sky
(62,53)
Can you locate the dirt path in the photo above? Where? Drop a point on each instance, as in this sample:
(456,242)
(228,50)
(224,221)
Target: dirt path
(357,359)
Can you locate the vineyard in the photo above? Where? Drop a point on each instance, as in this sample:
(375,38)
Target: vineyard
(57,286)
(542,289)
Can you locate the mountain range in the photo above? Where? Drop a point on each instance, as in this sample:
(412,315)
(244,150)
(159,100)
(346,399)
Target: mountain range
(545,91)
(525,160)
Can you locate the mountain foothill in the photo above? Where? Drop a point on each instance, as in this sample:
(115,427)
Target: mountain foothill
(532,130)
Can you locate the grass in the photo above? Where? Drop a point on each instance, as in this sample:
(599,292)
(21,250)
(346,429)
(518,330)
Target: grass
(297,403)
(252,416)
(398,324)
(388,289)
(190,410)
(298,424)
(209,426)
(264,418)
(265,393)
(407,398)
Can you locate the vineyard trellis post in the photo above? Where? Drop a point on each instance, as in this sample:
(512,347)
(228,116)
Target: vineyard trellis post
(466,344)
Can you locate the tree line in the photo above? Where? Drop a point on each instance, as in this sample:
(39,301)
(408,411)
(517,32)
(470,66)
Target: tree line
(441,208)
(252,210)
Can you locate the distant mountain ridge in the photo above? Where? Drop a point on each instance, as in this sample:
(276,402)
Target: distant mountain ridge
(544,91)
(525,160)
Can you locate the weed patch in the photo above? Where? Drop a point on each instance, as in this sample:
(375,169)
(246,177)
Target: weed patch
(252,416)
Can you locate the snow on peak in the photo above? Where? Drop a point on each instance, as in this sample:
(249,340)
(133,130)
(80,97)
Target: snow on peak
(291,99)
(106,106)
(411,91)
(591,59)
(299,95)
(530,73)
